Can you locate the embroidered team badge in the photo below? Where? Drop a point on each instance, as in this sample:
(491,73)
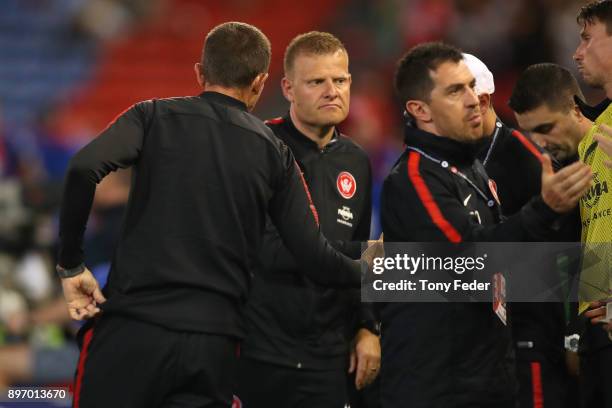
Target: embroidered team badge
(346,184)
(493,188)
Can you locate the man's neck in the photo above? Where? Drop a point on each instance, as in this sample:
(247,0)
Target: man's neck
(428,127)
(585,126)
(488,122)
(239,94)
(608,89)
(320,135)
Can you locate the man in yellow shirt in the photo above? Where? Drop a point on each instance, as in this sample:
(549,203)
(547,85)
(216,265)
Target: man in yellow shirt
(594,59)
(604,139)
(566,133)
(596,275)
(543,99)
(544,106)
(546,103)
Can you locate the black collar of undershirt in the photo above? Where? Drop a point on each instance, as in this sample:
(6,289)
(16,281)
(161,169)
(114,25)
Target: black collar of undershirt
(223,99)
(441,147)
(591,112)
(302,140)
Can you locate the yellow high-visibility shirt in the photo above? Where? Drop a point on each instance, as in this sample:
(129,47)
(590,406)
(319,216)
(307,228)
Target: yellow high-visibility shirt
(596,218)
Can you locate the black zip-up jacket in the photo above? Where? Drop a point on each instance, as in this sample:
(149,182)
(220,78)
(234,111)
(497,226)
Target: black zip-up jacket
(448,354)
(205,174)
(290,320)
(513,161)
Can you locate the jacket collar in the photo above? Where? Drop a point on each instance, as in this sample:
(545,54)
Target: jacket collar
(223,100)
(591,112)
(301,140)
(441,147)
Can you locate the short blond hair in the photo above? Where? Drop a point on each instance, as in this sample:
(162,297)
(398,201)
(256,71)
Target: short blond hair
(313,43)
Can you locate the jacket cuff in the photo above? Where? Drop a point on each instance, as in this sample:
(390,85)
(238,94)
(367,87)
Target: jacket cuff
(70,254)
(352,249)
(545,213)
(538,220)
(373,326)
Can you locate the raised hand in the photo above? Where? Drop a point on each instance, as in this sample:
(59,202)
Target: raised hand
(562,190)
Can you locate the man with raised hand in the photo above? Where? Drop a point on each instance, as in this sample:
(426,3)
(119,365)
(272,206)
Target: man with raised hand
(543,103)
(453,354)
(545,100)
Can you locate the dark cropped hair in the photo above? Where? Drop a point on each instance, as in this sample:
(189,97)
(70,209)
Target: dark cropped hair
(600,10)
(234,54)
(545,84)
(413,78)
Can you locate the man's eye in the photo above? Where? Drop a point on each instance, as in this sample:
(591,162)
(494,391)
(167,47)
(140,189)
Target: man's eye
(545,130)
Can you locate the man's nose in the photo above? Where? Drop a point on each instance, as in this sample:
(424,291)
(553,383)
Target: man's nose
(330,89)
(471,97)
(578,53)
(539,140)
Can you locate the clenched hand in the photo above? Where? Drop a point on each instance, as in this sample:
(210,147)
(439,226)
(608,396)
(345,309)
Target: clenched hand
(83,295)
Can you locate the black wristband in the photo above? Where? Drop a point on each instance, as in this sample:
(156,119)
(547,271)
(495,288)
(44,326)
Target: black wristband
(69,272)
(371,325)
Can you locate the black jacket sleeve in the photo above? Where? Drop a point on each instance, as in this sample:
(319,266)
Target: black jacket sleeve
(366,313)
(285,260)
(292,211)
(118,146)
(405,214)
(352,249)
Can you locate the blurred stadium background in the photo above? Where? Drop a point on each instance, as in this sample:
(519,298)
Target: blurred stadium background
(68,67)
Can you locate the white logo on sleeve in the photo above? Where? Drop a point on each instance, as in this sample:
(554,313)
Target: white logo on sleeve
(465,202)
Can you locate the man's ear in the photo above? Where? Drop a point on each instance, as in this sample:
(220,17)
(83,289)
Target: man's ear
(197,68)
(577,113)
(287,88)
(484,100)
(258,83)
(419,110)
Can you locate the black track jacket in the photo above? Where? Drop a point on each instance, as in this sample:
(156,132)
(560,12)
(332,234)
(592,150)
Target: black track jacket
(205,175)
(291,321)
(513,161)
(447,354)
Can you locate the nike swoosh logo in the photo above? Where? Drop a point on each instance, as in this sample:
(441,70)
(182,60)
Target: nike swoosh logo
(465,202)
